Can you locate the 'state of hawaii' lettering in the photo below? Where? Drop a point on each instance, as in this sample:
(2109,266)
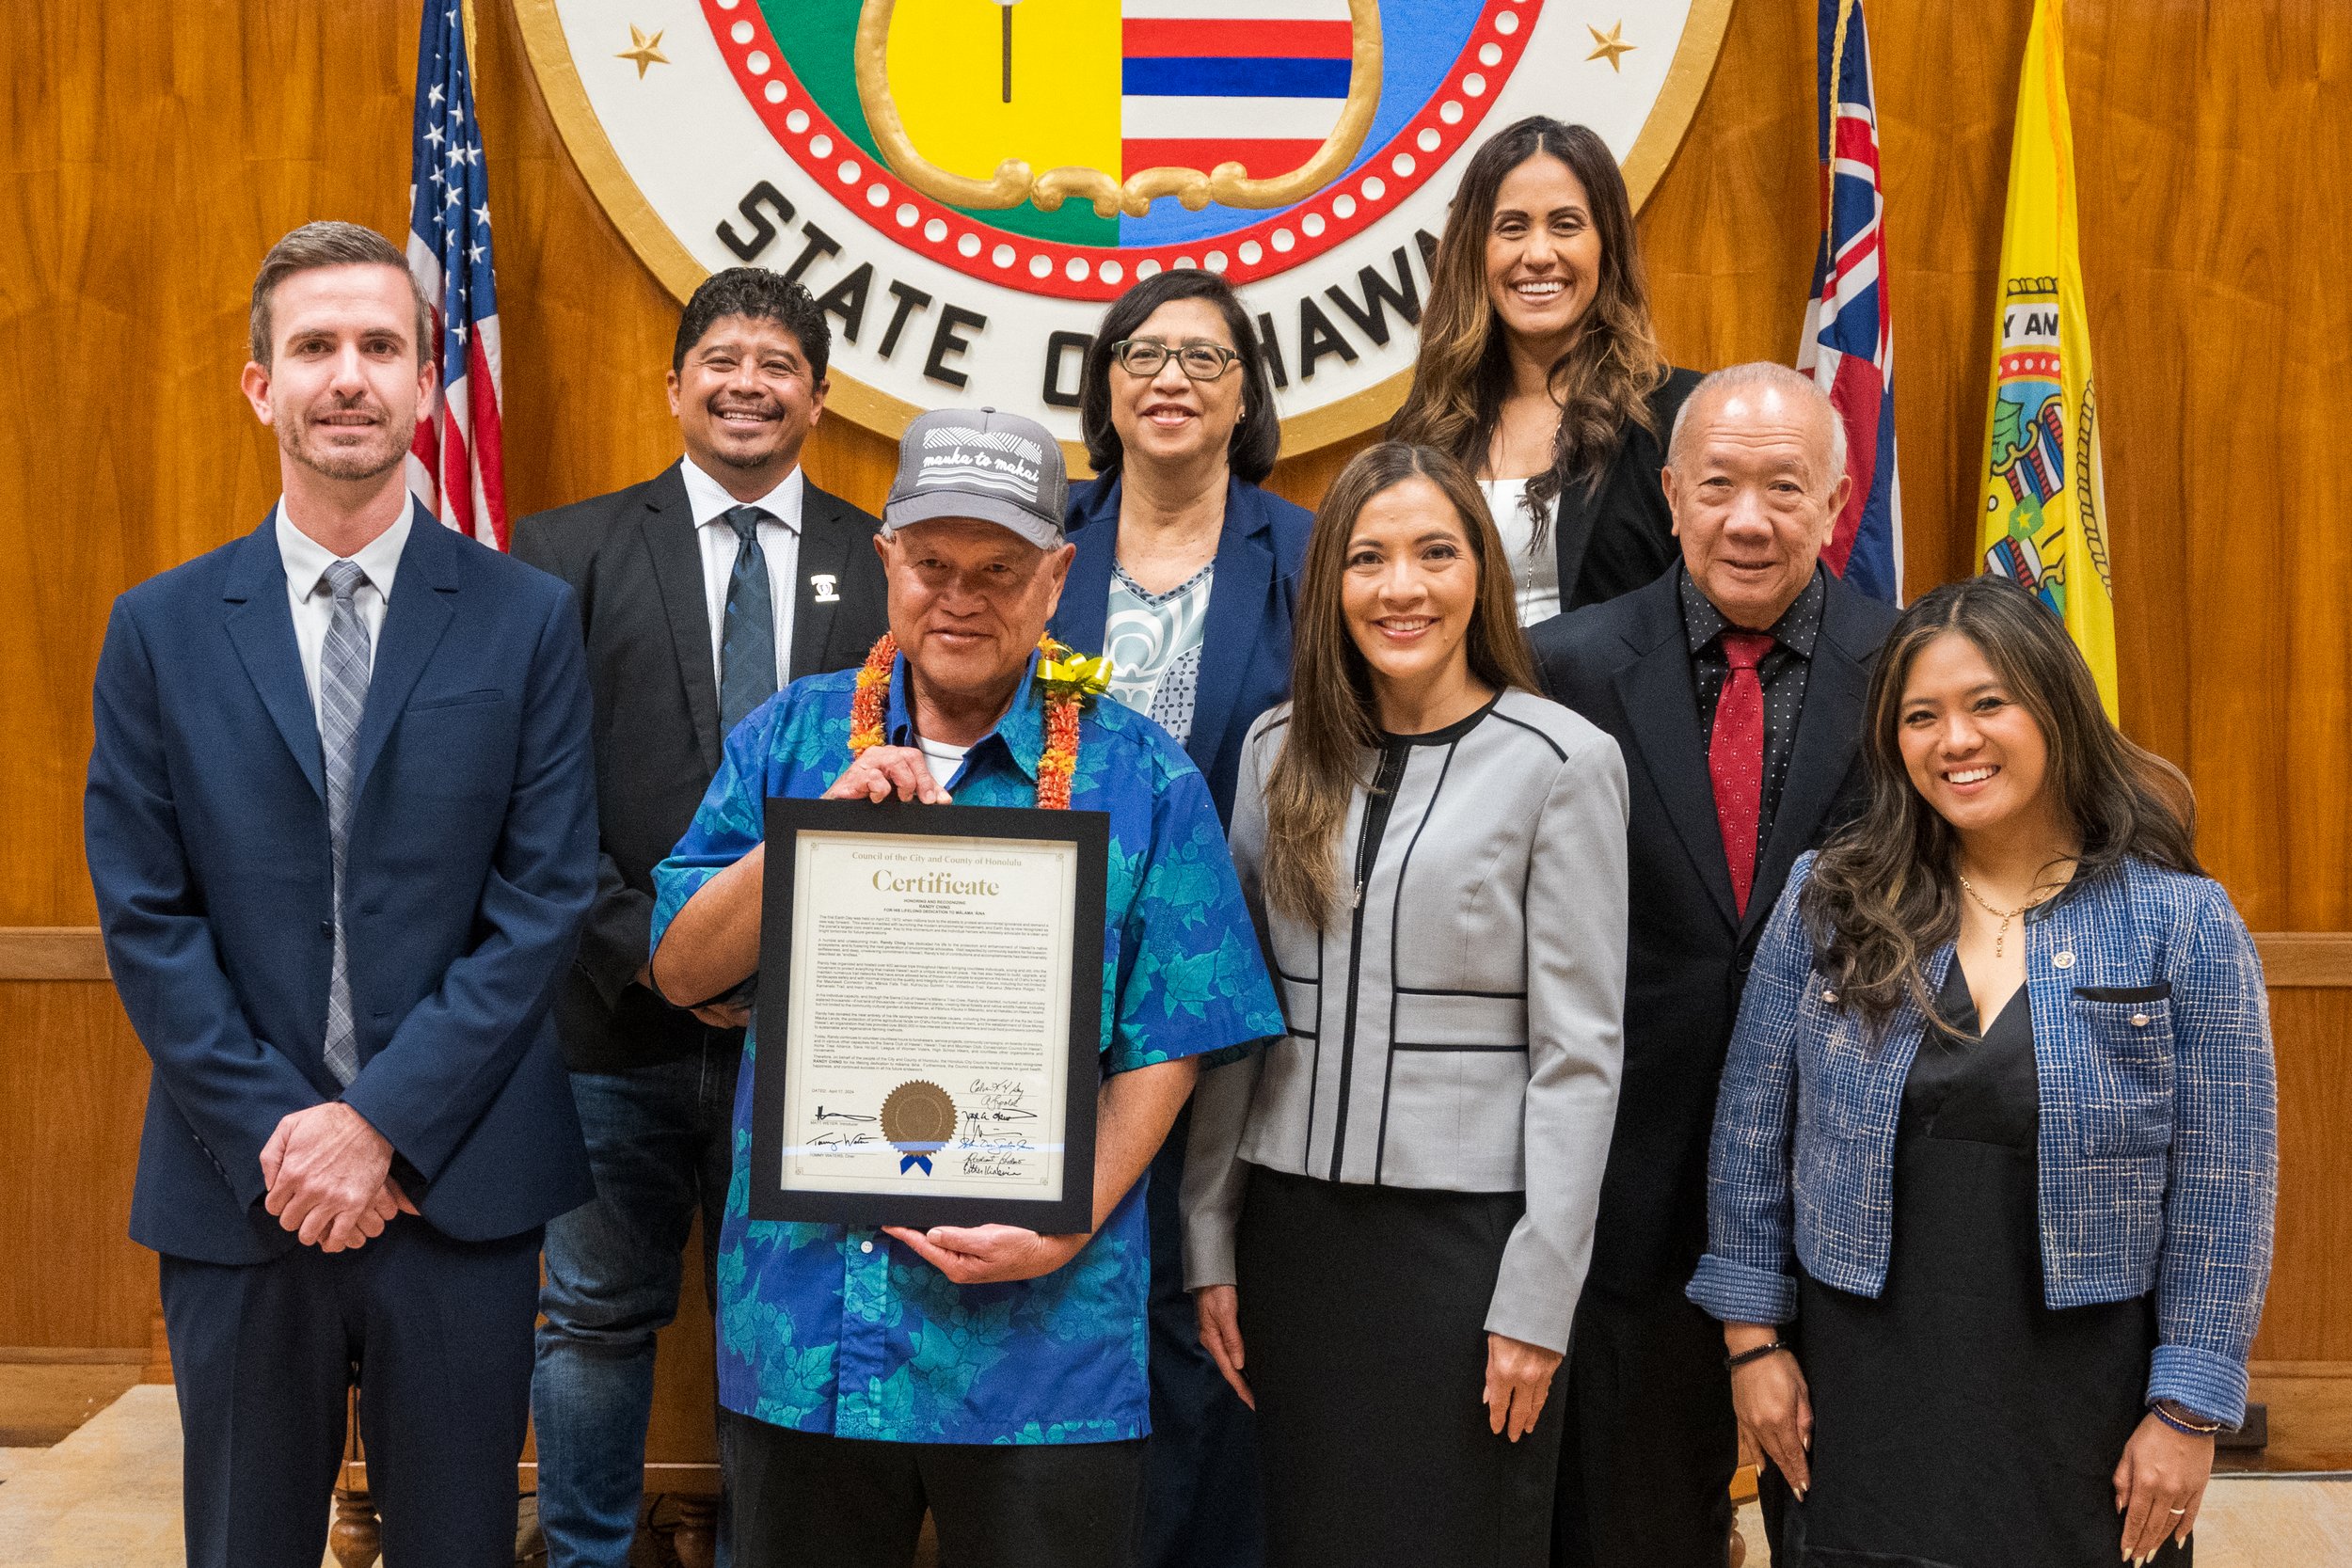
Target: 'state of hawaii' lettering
(964,184)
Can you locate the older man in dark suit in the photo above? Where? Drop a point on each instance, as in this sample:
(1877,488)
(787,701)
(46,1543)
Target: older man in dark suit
(704,589)
(1734,685)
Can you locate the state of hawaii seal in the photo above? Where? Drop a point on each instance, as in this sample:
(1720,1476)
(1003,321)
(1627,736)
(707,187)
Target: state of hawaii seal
(918,1119)
(964,184)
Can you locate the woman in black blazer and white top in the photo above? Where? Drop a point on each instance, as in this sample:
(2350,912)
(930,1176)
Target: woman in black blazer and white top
(1392,1207)
(1541,371)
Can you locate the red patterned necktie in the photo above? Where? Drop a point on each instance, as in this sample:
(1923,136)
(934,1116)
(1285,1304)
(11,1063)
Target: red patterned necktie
(1735,758)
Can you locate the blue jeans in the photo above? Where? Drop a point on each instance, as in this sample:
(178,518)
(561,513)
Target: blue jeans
(660,1141)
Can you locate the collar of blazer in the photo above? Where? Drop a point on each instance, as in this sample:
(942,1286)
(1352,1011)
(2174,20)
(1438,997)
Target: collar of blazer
(1661,709)
(260,626)
(826,537)
(1237,597)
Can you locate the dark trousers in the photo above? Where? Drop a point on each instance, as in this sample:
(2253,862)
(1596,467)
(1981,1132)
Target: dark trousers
(1363,1315)
(805,1499)
(1200,1504)
(660,1140)
(1645,1468)
(436,1333)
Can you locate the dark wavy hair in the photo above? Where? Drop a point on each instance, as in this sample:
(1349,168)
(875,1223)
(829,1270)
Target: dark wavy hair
(1884,893)
(1605,378)
(1335,719)
(1257,440)
(763,295)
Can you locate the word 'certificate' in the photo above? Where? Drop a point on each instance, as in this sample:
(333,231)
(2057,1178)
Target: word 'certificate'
(931,1016)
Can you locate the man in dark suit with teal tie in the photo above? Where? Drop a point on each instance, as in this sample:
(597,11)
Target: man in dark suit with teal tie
(340,823)
(703,589)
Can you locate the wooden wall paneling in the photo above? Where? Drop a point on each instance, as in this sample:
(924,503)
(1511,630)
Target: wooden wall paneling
(2309,1316)
(73,1085)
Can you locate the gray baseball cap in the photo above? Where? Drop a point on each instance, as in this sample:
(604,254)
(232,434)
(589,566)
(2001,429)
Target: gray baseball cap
(979,464)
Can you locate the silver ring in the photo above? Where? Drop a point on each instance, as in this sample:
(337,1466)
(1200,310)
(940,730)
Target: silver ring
(2180,1511)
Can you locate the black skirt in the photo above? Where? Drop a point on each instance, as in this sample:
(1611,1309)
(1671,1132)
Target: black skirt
(1363,1316)
(1958,1422)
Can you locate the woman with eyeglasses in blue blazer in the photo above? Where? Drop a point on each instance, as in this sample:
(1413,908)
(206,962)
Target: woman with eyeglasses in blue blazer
(1994,1161)
(1185,575)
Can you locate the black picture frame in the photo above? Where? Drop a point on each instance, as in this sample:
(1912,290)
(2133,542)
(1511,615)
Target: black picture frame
(786,819)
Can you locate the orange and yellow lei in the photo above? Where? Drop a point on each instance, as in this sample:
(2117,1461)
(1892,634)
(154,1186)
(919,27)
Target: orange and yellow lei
(1070,679)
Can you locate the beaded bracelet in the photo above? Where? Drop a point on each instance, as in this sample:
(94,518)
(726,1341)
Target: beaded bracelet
(2178,1424)
(1733,1363)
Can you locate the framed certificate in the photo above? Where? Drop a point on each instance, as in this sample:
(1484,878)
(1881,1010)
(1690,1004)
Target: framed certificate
(930,1015)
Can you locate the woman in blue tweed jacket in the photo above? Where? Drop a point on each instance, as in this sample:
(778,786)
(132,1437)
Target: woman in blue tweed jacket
(1991,1190)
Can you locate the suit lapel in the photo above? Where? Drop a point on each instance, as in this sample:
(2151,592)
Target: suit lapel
(1237,608)
(668,526)
(1572,531)
(825,543)
(418,613)
(261,627)
(1661,709)
(1828,732)
(1085,595)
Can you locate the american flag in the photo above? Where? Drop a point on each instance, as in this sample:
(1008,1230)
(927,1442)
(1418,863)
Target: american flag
(454,465)
(1848,345)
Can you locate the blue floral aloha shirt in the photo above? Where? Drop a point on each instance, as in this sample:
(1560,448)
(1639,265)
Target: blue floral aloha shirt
(828,1329)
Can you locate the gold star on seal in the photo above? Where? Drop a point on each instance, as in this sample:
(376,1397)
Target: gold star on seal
(648,51)
(1611,44)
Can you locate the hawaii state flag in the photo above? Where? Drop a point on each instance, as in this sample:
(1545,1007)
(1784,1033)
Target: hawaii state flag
(1191,72)
(454,465)
(2045,520)
(1849,344)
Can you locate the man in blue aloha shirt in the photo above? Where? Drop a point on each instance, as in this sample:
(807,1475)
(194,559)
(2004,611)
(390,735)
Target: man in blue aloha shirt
(990,1374)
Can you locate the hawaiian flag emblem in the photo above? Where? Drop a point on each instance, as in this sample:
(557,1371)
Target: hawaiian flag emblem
(1191,72)
(1848,345)
(455,464)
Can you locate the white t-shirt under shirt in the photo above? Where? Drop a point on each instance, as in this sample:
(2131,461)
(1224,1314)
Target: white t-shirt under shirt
(942,759)
(1535,569)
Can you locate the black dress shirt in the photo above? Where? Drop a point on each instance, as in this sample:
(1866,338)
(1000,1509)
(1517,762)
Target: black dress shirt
(1782,672)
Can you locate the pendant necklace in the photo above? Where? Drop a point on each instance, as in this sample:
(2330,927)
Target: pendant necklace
(2001,935)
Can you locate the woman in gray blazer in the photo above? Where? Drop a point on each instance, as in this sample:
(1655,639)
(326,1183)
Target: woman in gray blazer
(1392,1208)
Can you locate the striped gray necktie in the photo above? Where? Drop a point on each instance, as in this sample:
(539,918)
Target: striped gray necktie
(343,698)
(747,638)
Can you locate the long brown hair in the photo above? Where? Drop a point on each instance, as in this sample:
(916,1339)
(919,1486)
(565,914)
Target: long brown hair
(1883,892)
(1334,725)
(1604,379)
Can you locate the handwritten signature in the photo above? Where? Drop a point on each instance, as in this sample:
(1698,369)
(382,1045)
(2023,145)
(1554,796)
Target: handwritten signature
(823,1114)
(841,1143)
(993,1164)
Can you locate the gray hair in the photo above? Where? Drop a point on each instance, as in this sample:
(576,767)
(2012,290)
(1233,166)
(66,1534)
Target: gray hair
(330,243)
(1757,375)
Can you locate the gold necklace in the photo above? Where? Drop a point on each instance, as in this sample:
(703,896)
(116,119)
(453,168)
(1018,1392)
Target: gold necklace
(2001,935)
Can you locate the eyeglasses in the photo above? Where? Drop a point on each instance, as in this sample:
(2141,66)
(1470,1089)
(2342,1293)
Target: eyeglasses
(1200,361)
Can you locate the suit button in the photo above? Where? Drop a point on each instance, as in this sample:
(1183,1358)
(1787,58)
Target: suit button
(326,929)
(2063,960)
(1829,996)
(2139,1021)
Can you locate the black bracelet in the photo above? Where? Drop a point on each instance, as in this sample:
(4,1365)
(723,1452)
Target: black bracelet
(1733,1363)
(2188,1428)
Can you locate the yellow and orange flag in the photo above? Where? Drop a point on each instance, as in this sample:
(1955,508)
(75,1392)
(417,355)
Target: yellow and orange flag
(2044,520)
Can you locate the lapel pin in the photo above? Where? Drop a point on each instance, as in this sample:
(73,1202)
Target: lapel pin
(823,582)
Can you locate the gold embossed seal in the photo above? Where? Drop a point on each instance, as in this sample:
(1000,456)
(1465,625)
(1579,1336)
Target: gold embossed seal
(919,1118)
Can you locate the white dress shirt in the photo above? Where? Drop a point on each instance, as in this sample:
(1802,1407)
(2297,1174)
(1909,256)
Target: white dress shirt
(779,542)
(314,602)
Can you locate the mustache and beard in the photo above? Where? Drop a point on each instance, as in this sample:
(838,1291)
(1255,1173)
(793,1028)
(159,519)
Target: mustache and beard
(753,445)
(357,450)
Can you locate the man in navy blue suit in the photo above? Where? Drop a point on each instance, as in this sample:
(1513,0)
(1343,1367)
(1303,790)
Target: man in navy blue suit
(341,824)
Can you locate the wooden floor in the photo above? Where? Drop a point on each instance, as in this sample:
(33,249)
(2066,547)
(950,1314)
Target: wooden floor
(109,1495)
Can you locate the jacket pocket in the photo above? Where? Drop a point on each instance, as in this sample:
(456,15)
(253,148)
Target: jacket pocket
(2160,992)
(2126,1108)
